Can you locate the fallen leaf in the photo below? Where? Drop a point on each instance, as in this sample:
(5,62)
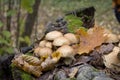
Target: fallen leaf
(31,60)
(73,72)
(90,40)
(25,66)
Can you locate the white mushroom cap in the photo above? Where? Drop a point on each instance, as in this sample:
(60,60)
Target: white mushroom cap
(61,41)
(119,36)
(42,43)
(119,45)
(53,35)
(36,50)
(111,58)
(71,37)
(45,43)
(66,51)
(48,44)
(43,51)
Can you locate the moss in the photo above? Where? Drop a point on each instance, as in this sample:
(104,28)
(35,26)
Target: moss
(19,74)
(26,76)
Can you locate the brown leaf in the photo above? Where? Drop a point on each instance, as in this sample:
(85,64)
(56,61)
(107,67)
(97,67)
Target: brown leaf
(20,63)
(90,40)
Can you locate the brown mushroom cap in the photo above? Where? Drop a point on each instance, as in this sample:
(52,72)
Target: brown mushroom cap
(43,51)
(53,35)
(36,50)
(48,44)
(66,51)
(111,58)
(42,43)
(71,37)
(45,43)
(61,41)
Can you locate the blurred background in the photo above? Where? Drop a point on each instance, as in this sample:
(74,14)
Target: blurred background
(21,21)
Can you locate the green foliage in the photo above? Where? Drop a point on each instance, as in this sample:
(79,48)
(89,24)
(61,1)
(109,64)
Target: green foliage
(6,34)
(1,24)
(11,12)
(5,42)
(26,76)
(25,39)
(74,23)
(27,5)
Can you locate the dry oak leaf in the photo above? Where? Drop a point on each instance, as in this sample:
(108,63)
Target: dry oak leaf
(90,39)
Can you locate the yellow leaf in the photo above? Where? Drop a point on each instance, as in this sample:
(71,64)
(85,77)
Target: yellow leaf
(56,56)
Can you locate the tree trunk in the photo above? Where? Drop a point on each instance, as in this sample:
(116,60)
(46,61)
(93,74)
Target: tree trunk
(30,21)
(9,17)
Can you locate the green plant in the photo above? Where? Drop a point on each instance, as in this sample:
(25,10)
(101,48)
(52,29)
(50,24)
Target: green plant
(74,23)
(26,76)
(27,5)
(5,42)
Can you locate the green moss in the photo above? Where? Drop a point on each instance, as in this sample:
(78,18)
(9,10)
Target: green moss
(26,76)
(17,73)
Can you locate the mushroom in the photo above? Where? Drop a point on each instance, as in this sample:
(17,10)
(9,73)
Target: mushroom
(61,41)
(45,43)
(48,64)
(45,51)
(119,45)
(36,50)
(112,58)
(71,37)
(53,35)
(48,44)
(112,38)
(42,43)
(66,51)
(119,36)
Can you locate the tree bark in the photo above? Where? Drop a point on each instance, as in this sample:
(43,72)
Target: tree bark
(18,23)
(9,17)
(30,21)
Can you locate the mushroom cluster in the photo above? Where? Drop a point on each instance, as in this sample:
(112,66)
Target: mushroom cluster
(57,45)
(54,46)
(56,41)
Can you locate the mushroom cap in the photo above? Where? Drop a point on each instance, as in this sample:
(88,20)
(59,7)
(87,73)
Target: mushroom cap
(45,43)
(36,50)
(43,51)
(119,36)
(42,43)
(119,45)
(48,44)
(71,37)
(66,51)
(53,35)
(61,41)
(111,58)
